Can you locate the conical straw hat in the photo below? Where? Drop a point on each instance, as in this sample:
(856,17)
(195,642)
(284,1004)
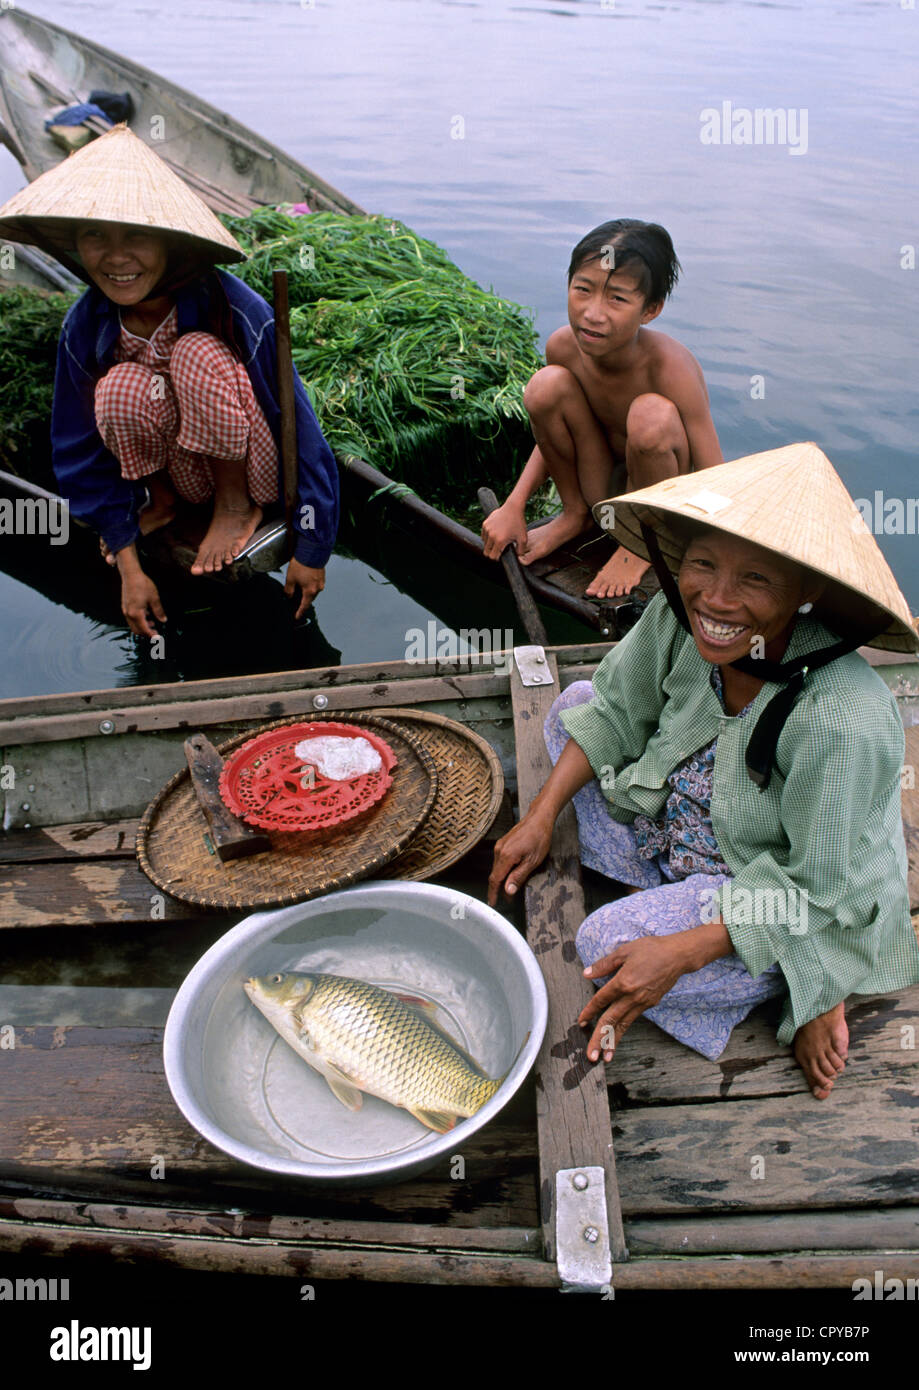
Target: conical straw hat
(790,501)
(115,178)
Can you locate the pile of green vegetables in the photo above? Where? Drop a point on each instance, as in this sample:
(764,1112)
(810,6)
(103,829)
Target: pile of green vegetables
(30,323)
(408,363)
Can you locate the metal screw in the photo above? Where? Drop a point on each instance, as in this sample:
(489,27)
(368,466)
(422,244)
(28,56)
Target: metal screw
(591,1235)
(320,701)
(604,632)
(32,787)
(540,661)
(26,806)
(107,726)
(579,1181)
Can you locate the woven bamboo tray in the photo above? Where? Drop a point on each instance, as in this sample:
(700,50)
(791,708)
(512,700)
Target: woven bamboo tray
(470,784)
(173,852)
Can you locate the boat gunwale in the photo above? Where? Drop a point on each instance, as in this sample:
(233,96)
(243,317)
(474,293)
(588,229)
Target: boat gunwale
(154,81)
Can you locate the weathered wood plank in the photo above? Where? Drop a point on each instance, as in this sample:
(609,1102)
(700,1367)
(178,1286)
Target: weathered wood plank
(268,1226)
(448,1267)
(314,679)
(84,894)
(650,1067)
(859,1148)
(79,840)
(306,1263)
(895,1228)
(573,1108)
(201,714)
(107,1113)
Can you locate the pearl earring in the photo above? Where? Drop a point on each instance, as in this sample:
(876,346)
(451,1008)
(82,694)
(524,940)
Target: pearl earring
(805,608)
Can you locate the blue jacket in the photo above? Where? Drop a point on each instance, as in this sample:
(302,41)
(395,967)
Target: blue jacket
(89,476)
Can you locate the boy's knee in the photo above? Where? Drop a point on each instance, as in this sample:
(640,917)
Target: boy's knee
(546,388)
(652,423)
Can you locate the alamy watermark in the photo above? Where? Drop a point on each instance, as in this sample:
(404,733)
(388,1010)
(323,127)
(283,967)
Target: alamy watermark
(755,907)
(35,516)
(481,644)
(887,516)
(763,125)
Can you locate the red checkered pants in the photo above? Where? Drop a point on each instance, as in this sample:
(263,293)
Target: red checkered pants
(184,419)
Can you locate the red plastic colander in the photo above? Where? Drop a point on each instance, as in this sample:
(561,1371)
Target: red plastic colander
(268,785)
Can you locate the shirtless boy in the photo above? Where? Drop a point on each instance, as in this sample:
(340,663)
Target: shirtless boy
(617,407)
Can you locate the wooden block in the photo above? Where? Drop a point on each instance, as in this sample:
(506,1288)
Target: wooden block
(231,837)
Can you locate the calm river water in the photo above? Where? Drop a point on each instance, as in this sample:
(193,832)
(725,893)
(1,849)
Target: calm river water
(798,294)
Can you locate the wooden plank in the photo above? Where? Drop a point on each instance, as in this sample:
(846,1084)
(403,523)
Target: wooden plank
(85,894)
(167,1220)
(197,714)
(80,840)
(573,1108)
(859,1148)
(106,1113)
(895,1228)
(320,678)
(304,1263)
(449,1267)
(650,1067)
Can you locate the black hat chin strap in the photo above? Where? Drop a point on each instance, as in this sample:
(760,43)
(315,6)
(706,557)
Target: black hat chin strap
(761,750)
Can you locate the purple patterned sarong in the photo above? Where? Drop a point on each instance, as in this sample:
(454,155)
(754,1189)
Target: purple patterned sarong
(703,1007)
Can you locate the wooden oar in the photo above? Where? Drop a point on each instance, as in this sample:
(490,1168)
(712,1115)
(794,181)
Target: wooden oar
(526,604)
(286,399)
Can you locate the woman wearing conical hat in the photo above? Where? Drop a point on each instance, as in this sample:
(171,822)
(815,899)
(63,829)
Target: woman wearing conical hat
(736,765)
(166,384)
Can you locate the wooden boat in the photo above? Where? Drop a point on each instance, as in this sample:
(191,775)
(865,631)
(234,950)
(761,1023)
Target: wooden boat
(43,68)
(94,955)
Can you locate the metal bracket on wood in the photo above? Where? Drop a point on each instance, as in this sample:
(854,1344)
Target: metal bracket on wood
(582,1249)
(533,667)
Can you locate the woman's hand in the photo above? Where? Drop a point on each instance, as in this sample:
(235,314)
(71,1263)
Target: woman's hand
(140,604)
(139,595)
(642,973)
(519,852)
(311,582)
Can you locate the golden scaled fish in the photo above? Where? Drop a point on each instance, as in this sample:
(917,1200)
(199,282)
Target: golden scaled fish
(364,1038)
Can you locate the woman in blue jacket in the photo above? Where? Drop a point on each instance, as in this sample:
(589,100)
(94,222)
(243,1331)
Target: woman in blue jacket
(166,383)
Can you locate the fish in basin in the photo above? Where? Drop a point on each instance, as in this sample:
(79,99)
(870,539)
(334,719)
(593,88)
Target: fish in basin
(361,1037)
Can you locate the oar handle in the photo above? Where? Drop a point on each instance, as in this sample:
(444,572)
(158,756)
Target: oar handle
(526,606)
(286,397)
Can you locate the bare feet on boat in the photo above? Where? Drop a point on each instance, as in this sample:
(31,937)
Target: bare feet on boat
(618,576)
(542,540)
(821,1048)
(231,527)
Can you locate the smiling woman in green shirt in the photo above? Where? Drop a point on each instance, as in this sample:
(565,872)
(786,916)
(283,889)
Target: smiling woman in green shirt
(736,732)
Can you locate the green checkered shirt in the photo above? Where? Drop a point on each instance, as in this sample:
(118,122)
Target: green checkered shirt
(818,859)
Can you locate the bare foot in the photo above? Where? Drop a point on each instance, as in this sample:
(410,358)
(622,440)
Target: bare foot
(542,540)
(618,576)
(821,1048)
(228,532)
